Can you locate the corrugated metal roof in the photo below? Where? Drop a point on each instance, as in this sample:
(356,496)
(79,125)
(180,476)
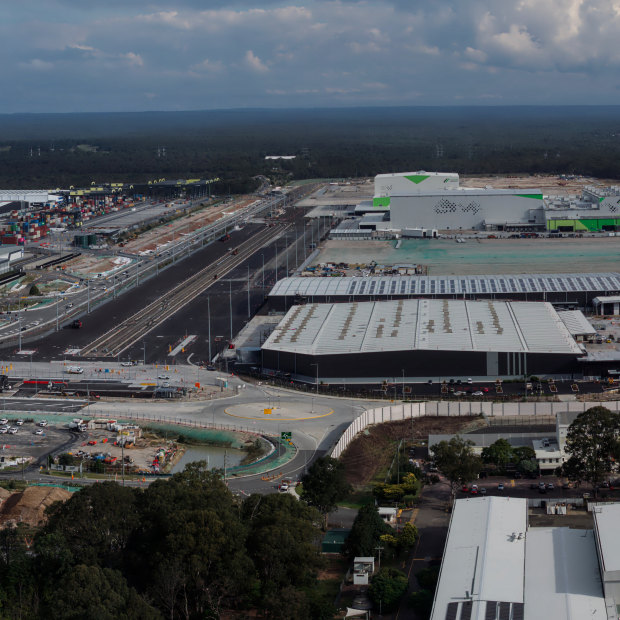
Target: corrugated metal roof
(484,557)
(562,579)
(428,324)
(576,322)
(451,285)
(606,519)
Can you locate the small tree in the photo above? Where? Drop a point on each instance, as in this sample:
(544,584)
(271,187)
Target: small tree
(366,532)
(34,291)
(387,588)
(499,453)
(325,485)
(456,460)
(591,442)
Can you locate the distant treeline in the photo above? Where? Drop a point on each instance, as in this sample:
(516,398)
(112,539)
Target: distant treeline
(58,150)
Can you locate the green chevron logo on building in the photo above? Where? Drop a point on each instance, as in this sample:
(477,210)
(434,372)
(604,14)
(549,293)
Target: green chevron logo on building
(417,178)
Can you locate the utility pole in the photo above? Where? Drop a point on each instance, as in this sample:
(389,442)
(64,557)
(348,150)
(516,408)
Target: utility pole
(263,257)
(380,549)
(230,307)
(248,290)
(209,325)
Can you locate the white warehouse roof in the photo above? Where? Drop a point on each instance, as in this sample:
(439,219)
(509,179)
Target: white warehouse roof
(427,324)
(562,578)
(576,322)
(606,521)
(483,562)
(441,285)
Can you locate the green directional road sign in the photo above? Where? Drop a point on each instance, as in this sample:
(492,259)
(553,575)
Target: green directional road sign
(286,435)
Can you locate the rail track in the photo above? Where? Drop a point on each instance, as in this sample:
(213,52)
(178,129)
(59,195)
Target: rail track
(121,337)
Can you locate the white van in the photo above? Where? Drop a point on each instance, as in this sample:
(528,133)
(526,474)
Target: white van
(75,370)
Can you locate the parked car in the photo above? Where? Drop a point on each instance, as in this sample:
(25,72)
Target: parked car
(210,367)
(500,486)
(13,430)
(127,363)
(459,393)
(474,489)
(4,421)
(39,431)
(163,378)
(4,430)
(483,491)
(550,486)
(43,423)
(477,393)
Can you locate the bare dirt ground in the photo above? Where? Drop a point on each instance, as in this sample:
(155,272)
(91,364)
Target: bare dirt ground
(29,506)
(151,240)
(368,453)
(549,184)
(91,264)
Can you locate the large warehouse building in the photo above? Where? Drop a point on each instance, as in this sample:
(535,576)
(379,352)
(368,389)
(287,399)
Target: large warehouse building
(568,290)
(421,338)
(411,202)
(496,567)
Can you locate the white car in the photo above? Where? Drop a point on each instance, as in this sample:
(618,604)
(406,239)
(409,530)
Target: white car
(19,423)
(43,423)
(39,431)
(4,421)
(164,378)
(13,430)
(478,393)
(4,430)
(75,370)
(126,363)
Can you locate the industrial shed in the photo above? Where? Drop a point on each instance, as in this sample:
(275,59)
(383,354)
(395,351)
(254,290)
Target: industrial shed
(421,338)
(566,289)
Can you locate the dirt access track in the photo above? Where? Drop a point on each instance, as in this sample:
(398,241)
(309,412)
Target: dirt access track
(28,506)
(373,448)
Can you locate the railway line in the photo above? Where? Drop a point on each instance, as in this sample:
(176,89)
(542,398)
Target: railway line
(121,337)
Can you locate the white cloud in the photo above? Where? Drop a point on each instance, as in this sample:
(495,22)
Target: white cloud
(255,63)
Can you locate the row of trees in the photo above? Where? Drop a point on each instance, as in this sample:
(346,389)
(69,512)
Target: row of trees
(592,446)
(180,548)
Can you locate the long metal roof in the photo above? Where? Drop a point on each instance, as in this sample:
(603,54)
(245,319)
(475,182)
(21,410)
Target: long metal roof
(484,559)
(450,285)
(422,324)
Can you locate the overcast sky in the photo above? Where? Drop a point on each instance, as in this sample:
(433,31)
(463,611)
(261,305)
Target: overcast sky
(117,55)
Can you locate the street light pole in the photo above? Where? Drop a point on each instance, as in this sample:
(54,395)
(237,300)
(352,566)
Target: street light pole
(317,377)
(209,325)
(230,307)
(248,290)
(263,257)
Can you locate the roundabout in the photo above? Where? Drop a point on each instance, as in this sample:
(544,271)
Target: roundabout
(283,412)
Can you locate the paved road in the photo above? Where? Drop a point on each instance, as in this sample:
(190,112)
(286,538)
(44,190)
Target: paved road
(41,405)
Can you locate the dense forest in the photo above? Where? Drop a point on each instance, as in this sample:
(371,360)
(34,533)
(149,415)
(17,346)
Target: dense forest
(58,150)
(179,548)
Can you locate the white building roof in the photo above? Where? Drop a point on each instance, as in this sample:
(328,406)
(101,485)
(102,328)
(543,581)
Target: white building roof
(606,299)
(422,324)
(27,195)
(576,323)
(606,522)
(562,579)
(483,560)
(421,286)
